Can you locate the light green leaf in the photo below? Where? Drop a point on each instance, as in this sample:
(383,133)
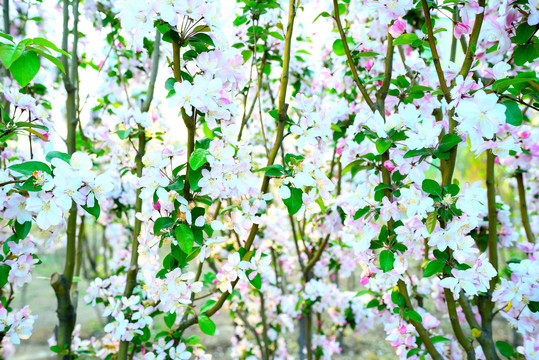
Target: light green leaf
(405,39)
(198,158)
(25,68)
(338,47)
(207,326)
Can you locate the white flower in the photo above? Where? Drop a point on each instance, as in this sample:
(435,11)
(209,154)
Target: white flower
(48,213)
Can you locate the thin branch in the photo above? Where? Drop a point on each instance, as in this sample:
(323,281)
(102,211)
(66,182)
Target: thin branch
(353,69)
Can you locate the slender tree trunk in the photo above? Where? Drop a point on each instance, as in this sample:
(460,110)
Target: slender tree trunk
(62,283)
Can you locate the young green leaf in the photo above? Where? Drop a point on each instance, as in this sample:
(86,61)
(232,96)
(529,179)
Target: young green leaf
(207,326)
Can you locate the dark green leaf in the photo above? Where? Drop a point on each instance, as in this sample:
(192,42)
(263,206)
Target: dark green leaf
(185,238)
(505,349)
(448,142)
(513,114)
(4,273)
(431,187)
(170,318)
(525,53)
(433,267)
(413,315)
(162,223)
(22,230)
(95,210)
(295,201)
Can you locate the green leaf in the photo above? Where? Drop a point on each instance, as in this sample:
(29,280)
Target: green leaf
(366,54)
(295,201)
(276,35)
(523,34)
(405,39)
(387,258)
(355,166)
(207,326)
(48,44)
(170,318)
(6,36)
(502,84)
(397,298)
(448,142)
(198,158)
(185,238)
(25,68)
(123,134)
(338,47)
(29,167)
(23,124)
(440,255)
(257,280)
(162,223)
(382,145)
(513,114)
(11,52)
(433,267)
(323,14)
(360,212)
(193,340)
(413,315)
(57,155)
(439,339)
(273,170)
(203,38)
(431,221)
(533,306)
(22,230)
(52,59)
(4,273)
(505,349)
(431,187)
(207,305)
(525,53)
(95,210)
(418,152)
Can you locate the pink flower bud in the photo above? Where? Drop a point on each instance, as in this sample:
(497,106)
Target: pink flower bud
(364,280)
(398,28)
(157,206)
(47,136)
(524,134)
(340,150)
(388,164)
(369,64)
(461,29)
(402,329)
